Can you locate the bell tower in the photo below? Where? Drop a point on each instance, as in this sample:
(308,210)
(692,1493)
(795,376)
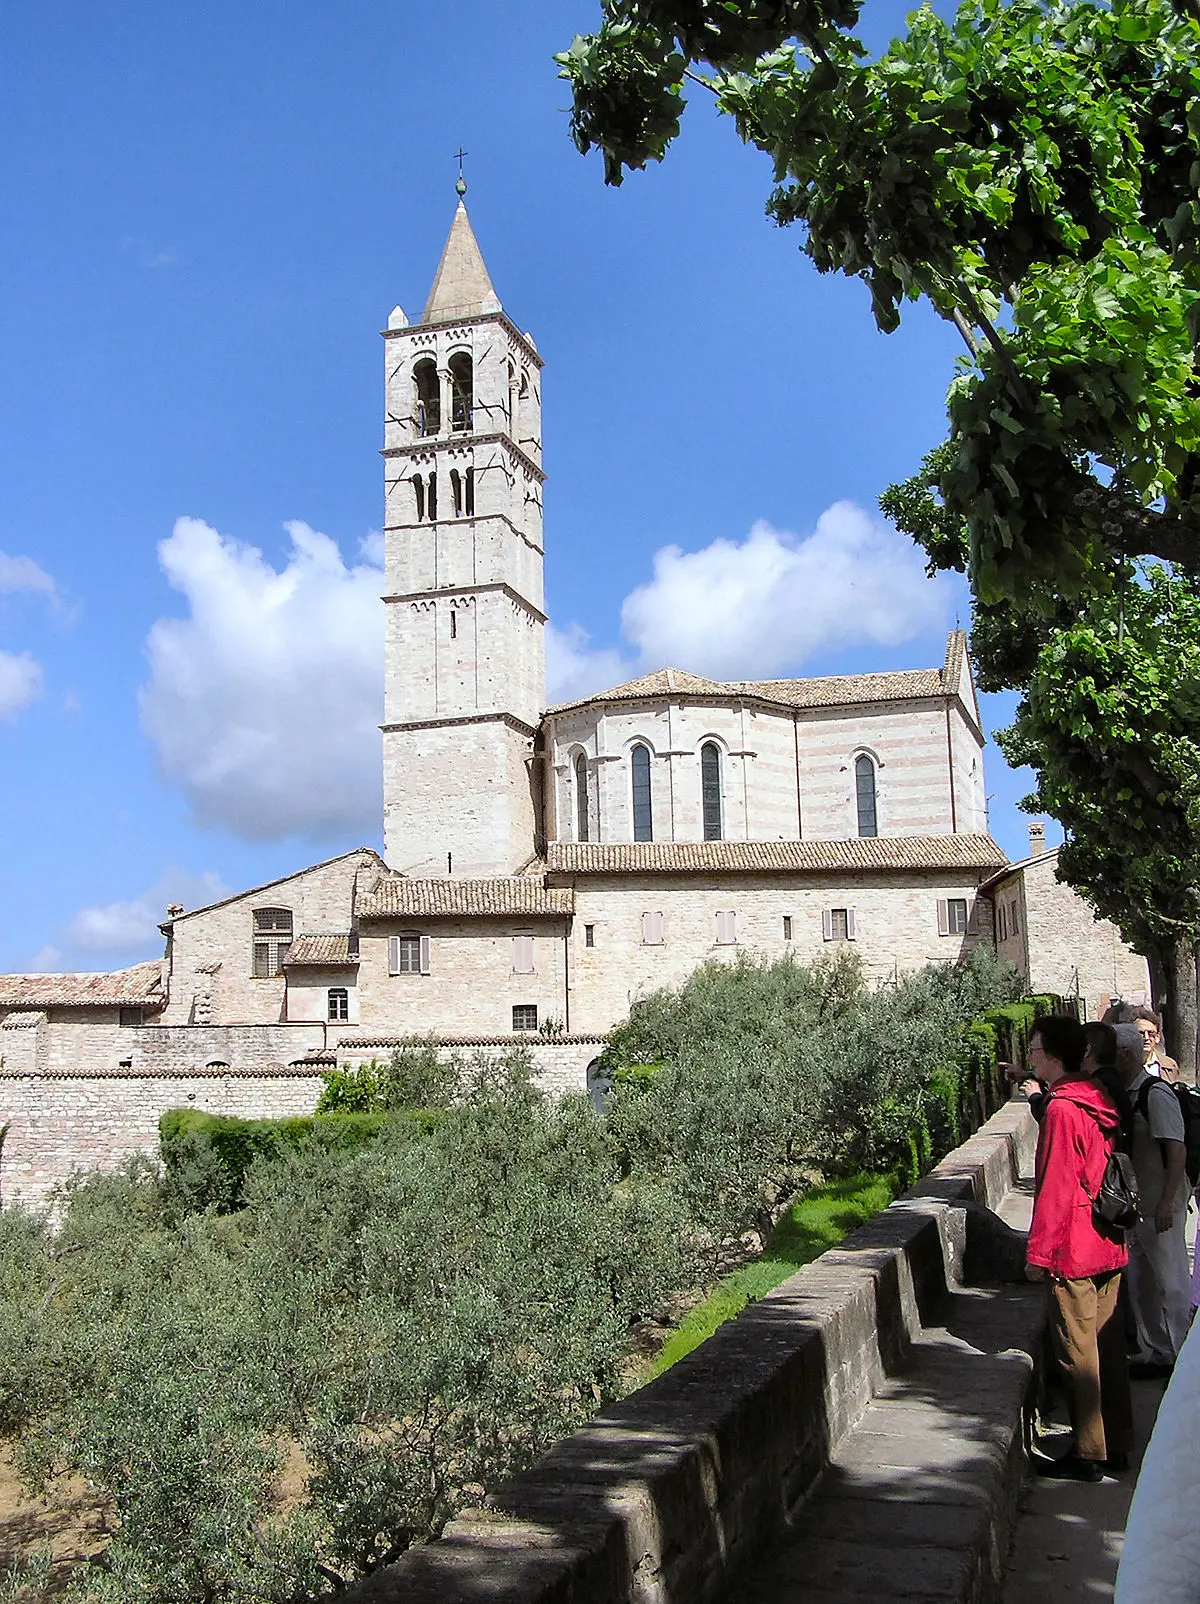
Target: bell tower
(465,660)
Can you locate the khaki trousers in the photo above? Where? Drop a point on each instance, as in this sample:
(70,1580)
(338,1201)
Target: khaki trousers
(1089,1342)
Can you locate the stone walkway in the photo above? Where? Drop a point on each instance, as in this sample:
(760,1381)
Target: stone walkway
(1068,1538)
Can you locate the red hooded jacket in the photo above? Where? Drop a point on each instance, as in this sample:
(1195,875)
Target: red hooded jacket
(1079,1126)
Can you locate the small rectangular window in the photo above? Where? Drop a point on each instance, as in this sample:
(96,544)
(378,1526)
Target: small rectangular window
(589,935)
(339,1003)
(652,929)
(408,955)
(957,910)
(522,955)
(453,624)
(787,927)
(837,924)
(726,930)
(1013,919)
(131,1016)
(525,1016)
(272,938)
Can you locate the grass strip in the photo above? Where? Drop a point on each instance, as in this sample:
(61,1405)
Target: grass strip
(818,1221)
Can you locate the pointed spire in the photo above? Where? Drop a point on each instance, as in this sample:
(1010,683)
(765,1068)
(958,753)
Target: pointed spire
(461,287)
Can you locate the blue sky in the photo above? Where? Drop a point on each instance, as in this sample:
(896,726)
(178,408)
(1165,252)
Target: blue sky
(209,212)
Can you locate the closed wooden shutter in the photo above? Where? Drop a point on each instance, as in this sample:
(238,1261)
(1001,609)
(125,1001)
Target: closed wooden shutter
(726,936)
(943,912)
(652,929)
(425,955)
(827,923)
(851,925)
(393,955)
(523,955)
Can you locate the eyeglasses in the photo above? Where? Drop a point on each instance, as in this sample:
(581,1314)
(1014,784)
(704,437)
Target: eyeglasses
(1148,1032)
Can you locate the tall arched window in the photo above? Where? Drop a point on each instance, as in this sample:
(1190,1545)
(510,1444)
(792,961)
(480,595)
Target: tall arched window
(462,392)
(864,792)
(581,797)
(431,498)
(419,490)
(643,812)
(428,396)
(456,492)
(710,789)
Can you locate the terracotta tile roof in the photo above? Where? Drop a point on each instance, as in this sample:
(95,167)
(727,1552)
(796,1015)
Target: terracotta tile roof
(320,950)
(521,1038)
(883,852)
(140,987)
(521,895)
(835,690)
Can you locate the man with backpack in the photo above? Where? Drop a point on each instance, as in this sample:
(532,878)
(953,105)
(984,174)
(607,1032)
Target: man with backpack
(1158,1276)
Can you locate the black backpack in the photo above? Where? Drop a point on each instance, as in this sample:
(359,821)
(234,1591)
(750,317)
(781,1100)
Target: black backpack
(1117,1206)
(1189,1107)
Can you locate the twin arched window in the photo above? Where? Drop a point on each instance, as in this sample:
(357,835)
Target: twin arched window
(643,811)
(581,797)
(864,795)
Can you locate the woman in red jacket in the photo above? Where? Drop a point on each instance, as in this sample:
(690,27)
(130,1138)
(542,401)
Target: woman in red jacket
(1081,1263)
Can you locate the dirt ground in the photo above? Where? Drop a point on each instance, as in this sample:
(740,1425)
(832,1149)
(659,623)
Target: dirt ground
(74,1527)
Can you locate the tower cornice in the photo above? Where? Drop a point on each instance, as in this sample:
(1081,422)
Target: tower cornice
(527,345)
(469,590)
(432,444)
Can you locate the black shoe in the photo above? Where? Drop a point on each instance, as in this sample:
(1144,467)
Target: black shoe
(1150,1370)
(1117,1464)
(1070,1468)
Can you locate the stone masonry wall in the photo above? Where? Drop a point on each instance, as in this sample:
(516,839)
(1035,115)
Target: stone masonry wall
(895,918)
(63,1122)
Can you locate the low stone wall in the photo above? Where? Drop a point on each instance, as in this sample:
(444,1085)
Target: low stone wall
(61,1121)
(678,1489)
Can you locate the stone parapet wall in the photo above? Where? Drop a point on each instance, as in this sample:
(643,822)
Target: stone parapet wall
(676,1491)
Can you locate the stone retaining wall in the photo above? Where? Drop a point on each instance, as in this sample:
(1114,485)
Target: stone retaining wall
(64,1120)
(678,1488)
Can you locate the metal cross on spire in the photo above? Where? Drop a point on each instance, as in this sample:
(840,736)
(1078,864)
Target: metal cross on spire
(461,186)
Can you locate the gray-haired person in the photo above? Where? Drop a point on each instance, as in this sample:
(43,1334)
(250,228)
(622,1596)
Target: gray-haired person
(1158,1276)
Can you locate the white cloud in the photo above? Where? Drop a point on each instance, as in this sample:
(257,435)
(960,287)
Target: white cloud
(264,701)
(121,927)
(45,961)
(760,607)
(21,682)
(574,668)
(22,573)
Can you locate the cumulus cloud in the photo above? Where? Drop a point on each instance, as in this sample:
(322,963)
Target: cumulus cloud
(22,573)
(264,701)
(760,607)
(125,926)
(21,682)
(575,668)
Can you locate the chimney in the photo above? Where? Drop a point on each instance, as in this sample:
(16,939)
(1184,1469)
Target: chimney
(1037,838)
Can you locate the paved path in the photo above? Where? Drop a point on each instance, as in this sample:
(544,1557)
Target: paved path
(1068,1538)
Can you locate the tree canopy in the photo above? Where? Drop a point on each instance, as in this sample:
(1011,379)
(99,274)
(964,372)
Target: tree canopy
(1029,169)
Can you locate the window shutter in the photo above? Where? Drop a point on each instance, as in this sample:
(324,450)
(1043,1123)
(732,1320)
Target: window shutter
(851,934)
(973,916)
(827,923)
(523,955)
(725,930)
(424,955)
(393,955)
(943,910)
(652,929)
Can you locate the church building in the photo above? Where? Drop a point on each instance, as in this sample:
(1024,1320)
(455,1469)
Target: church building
(545,866)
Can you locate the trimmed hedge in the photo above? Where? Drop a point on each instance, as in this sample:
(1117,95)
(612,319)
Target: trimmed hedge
(206,1156)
